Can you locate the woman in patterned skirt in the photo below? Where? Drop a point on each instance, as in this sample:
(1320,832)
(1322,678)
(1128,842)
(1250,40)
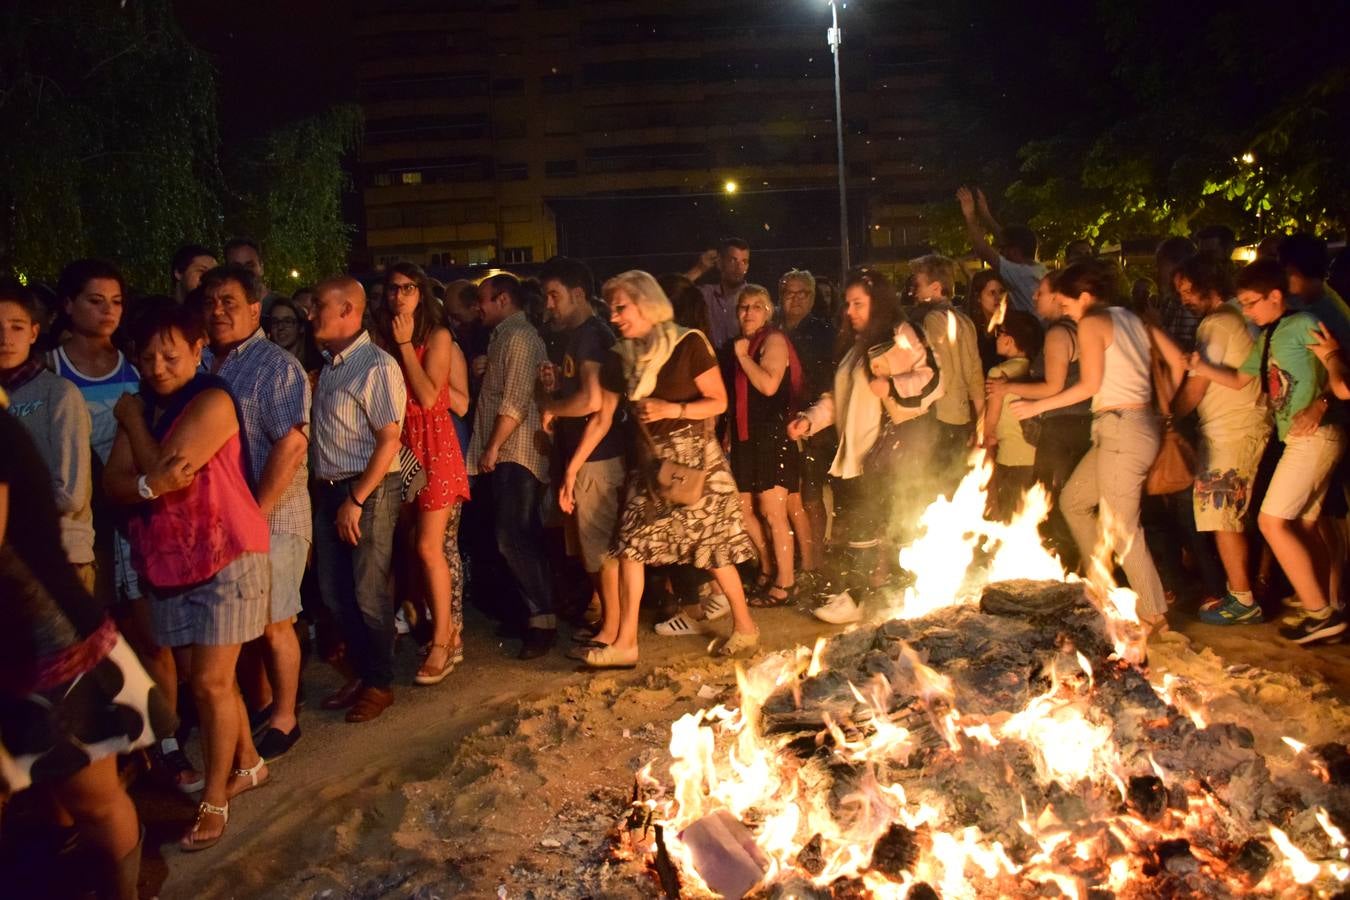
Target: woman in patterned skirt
(72,693)
(438,383)
(670,376)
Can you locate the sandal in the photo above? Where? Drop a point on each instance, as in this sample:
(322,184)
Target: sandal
(426,675)
(188,844)
(767,599)
(609,658)
(739,642)
(252,774)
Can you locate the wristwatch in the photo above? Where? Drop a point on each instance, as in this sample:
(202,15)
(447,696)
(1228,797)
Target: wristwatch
(143,488)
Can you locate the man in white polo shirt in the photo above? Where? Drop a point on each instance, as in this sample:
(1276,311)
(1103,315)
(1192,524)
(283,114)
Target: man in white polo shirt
(358,411)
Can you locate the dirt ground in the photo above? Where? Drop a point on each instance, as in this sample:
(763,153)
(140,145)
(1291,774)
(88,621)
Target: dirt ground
(508,779)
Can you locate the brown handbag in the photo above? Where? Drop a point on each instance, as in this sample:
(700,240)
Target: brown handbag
(675,483)
(1174,467)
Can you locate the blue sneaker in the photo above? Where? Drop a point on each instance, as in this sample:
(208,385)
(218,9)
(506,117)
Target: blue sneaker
(1231,611)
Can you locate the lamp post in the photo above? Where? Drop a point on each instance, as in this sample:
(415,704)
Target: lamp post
(835,38)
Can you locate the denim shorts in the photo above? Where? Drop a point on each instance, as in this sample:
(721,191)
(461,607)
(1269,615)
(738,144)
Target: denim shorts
(288,555)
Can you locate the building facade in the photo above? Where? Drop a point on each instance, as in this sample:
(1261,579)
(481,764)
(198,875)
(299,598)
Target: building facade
(506,131)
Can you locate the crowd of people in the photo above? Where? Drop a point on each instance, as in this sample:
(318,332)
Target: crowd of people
(198,489)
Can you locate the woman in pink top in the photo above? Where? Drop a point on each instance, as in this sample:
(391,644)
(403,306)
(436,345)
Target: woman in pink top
(198,541)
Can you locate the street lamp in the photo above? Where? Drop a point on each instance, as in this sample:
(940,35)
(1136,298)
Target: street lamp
(835,38)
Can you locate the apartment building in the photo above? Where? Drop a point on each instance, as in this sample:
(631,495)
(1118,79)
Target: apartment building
(634,132)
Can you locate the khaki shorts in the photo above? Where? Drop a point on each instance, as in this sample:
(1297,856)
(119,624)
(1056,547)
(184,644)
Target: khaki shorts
(1300,482)
(1223,484)
(591,526)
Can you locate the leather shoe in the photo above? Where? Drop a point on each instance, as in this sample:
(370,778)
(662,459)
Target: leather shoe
(371,702)
(538,641)
(343,697)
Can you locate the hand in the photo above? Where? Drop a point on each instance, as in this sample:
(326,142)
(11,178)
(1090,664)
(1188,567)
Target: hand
(1323,344)
(967,201)
(1194,361)
(567,493)
(130,407)
(349,522)
(546,421)
(798,428)
(548,377)
(478,366)
(171,474)
(487,460)
(982,203)
(995,388)
(402,326)
(741,346)
(708,258)
(990,442)
(880,387)
(653,410)
(1023,409)
(1308,419)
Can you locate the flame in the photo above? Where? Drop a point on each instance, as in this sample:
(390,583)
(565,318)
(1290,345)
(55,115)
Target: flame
(1297,746)
(1304,870)
(951,327)
(997,318)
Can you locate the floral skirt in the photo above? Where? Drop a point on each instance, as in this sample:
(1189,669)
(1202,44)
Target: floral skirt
(708,534)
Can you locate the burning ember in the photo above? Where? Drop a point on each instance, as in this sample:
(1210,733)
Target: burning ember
(992,735)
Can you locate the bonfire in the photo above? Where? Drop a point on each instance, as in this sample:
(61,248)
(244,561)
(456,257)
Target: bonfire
(996,731)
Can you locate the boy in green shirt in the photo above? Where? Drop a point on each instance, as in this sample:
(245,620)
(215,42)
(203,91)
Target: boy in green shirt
(1293,378)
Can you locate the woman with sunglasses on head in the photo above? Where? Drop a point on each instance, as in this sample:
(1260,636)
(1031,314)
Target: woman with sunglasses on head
(438,384)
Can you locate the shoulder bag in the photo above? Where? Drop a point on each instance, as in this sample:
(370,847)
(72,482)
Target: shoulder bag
(673,482)
(1174,467)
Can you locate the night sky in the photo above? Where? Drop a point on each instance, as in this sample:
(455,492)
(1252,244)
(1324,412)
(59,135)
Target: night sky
(277,60)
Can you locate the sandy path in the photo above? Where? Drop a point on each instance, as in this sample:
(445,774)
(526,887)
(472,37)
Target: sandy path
(506,779)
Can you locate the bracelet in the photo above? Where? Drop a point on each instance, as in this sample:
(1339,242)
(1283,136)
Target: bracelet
(401,343)
(360,504)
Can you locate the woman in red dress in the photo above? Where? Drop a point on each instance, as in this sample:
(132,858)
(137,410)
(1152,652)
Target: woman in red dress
(438,383)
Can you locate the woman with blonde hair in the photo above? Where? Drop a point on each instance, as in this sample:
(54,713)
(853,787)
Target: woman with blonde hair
(670,377)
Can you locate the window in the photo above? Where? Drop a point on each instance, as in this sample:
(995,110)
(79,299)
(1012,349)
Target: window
(511,255)
(513,171)
(410,177)
(382,179)
(508,85)
(560,168)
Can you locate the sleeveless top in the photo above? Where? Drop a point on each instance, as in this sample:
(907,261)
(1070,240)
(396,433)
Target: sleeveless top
(100,395)
(1127,379)
(1071,376)
(188,536)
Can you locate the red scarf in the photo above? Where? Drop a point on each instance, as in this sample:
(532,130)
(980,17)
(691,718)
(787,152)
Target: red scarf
(796,381)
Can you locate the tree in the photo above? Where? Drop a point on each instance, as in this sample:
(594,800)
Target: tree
(1111,120)
(111,151)
(286,191)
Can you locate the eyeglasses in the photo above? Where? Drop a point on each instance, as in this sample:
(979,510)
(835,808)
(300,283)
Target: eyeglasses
(396,289)
(292,321)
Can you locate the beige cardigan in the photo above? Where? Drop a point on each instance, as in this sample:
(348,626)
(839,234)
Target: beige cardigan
(859,424)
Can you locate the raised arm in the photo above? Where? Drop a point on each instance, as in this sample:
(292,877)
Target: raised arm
(974,229)
(425,378)
(706,260)
(766,375)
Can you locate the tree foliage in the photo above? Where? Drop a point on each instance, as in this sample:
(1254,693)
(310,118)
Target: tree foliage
(286,191)
(113,150)
(1115,120)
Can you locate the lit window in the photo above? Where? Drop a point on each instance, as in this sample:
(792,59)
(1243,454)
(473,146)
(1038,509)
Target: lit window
(411,177)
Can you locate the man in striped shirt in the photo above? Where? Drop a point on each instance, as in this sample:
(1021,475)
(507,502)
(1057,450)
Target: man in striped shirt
(507,456)
(359,404)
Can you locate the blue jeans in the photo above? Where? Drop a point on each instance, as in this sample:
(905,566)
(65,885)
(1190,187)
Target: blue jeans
(354,581)
(516,497)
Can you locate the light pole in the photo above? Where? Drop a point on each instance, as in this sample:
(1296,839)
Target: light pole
(835,37)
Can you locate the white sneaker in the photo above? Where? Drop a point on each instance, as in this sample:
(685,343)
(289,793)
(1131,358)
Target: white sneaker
(680,625)
(715,607)
(839,609)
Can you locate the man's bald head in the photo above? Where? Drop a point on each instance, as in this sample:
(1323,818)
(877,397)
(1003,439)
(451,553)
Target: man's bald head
(339,305)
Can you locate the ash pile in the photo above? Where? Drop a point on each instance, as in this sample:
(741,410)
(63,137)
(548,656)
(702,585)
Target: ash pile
(993,750)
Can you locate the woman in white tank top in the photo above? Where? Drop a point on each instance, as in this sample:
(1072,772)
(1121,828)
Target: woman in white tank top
(1115,372)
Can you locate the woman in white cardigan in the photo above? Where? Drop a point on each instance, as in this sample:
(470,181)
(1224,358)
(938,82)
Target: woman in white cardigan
(886,376)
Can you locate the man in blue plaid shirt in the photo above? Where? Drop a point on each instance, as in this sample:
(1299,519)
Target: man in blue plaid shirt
(273,394)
